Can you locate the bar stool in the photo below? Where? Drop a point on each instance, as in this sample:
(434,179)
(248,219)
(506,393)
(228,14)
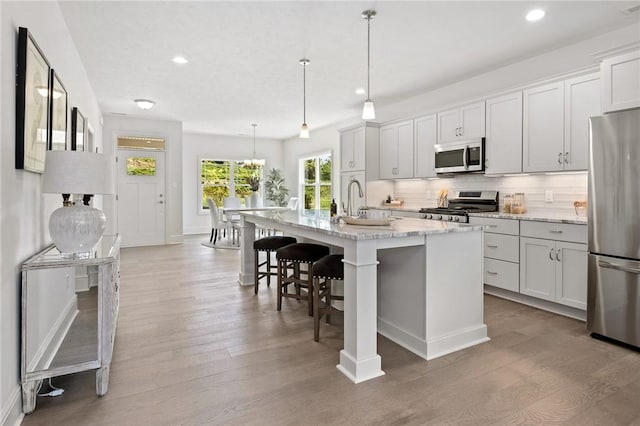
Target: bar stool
(268,245)
(289,259)
(326,269)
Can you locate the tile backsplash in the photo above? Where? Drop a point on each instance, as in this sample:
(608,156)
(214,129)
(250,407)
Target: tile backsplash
(566,188)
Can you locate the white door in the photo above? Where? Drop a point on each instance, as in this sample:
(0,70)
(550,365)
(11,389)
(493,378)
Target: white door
(504,134)
(346,150)
(404,156)
(538,268)
(448,125)
(581,100)
(141,197)
(425,139)
(388,151)
(472,123)
(571,276)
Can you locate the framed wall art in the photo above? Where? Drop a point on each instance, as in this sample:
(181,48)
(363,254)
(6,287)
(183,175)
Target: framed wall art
(77,130)
(58,114)
(32,104)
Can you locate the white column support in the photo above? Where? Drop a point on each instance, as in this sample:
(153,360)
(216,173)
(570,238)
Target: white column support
(247,236)
(359,360)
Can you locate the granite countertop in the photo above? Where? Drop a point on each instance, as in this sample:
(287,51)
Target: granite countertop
(399,227)
(536,216)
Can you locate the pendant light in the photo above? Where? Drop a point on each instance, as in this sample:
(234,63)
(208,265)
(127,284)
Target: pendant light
(304,129)
(368,112)
(254,163)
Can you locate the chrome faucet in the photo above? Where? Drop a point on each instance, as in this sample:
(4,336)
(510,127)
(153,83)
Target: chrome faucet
(360,193)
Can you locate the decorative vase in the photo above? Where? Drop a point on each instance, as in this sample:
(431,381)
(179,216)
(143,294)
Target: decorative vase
(255,200)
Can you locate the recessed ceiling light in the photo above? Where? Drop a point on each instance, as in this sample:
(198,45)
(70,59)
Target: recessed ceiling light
(535,15)
(360,91)
(180,60)
(144,103)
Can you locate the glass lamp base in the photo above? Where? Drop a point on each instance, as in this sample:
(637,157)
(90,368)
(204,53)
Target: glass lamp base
(76,229)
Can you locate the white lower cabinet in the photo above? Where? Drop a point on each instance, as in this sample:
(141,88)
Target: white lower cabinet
(554,270)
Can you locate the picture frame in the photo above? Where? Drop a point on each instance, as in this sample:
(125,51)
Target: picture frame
(77,130)
(32,104)
(58,108)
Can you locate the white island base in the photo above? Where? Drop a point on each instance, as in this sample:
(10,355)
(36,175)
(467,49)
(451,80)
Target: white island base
(417,282)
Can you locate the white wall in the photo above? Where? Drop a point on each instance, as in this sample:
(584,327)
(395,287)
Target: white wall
(196,146)
(171,131)
(562,60)
(24,209)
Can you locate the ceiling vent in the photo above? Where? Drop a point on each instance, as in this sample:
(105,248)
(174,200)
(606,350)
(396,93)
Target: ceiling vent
(631,10)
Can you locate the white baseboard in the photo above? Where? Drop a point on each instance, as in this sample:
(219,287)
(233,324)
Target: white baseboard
(403,338)
(12,414)
(52,341)
(545,305)
(192,230)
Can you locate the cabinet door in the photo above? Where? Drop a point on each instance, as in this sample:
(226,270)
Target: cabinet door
(448,124)
(538,268)
(346,150)
(357,201)
(504,134)
(404,163)
(543,128)
(621,82)
(472,123)
(359,149)
(571,274)
(388,151)
(424,154)
(582,100)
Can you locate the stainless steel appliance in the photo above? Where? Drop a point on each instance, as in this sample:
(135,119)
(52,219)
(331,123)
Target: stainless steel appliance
(460,157)
(466,202)
(613,296)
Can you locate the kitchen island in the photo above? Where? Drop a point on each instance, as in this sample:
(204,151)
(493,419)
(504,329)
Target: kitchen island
(416,282)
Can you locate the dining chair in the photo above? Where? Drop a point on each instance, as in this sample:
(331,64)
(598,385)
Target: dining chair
(293,203)
(232,220)
(216,222)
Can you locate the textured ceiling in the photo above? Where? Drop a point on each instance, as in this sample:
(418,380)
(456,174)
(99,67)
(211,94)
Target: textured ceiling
(243,56)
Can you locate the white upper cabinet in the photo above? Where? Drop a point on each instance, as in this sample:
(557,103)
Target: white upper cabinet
(425,137)
(621,82)
(582,100)
(396,150)
(503,148)
(466,122)
(543,128)
(352,149)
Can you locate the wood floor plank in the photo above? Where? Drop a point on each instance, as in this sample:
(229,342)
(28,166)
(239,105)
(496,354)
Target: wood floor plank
(193,347)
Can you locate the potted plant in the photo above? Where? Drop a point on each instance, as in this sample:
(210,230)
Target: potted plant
(254,200)
(254,182)
(274,188)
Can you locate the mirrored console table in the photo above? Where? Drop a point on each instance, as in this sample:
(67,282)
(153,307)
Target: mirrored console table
(69,315)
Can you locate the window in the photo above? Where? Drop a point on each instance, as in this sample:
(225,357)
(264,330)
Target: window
(223,178)
(316,182)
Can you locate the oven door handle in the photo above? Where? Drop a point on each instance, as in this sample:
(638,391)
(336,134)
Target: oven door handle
(619,267)
(465,154)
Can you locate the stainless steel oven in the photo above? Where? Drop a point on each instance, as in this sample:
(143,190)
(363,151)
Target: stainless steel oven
(460,157)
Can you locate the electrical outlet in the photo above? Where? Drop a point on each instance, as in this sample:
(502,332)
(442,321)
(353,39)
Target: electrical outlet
(548,196)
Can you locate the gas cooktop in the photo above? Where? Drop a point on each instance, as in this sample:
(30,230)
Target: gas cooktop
(466,202)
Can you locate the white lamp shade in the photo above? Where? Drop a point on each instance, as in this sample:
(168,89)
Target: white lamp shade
(78,172)
(368,112)
(304,131)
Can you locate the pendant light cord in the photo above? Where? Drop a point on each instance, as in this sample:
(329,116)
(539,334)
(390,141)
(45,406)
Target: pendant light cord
(304,93)
(368,57)
(254,142)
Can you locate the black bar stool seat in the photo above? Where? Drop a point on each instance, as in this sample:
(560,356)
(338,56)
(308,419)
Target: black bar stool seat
(325,270)
(289,260)
(268,245)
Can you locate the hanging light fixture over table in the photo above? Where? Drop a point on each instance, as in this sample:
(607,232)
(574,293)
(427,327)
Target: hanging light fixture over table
(254,162)
(368,112)
(304,129)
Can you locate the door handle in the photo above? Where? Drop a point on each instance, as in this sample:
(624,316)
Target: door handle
(566,157)
(558,255)
(619,267)
(492,273)
(160,202)
(559,158)
(461,130)
(492,246)
(464,156)
(551,254)
(555,231)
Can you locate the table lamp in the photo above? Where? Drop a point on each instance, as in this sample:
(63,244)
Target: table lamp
(77,228)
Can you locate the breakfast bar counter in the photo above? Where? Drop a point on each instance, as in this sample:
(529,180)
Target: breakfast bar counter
(416,282)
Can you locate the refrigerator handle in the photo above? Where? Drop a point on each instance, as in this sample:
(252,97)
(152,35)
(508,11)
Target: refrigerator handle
(619,267)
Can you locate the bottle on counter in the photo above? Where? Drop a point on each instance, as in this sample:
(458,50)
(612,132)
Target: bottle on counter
(508,199)
(334,208)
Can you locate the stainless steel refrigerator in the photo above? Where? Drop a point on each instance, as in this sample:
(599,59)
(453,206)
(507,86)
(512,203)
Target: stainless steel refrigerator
(613,296)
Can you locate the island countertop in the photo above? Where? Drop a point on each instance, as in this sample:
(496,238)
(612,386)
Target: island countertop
(399,227)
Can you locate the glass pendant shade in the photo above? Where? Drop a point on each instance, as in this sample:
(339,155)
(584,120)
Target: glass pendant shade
(368,111)
(304,131)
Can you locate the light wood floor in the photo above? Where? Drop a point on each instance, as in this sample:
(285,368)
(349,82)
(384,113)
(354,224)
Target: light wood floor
(193,347)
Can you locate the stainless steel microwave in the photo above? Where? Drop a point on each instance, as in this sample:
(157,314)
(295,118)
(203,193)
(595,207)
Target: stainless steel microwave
(460,157)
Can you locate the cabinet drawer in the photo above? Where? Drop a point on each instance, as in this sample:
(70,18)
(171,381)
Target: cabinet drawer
(554,231)
(496,226)
(499,273)
(502,247)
